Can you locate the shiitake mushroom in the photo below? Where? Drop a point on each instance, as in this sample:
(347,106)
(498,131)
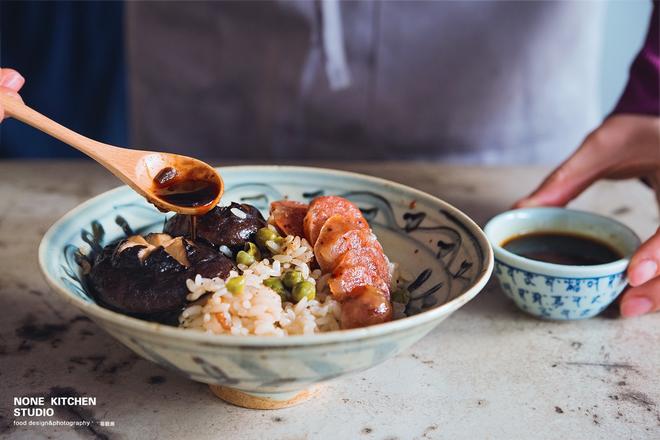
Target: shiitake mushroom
(229,226)
(146,276)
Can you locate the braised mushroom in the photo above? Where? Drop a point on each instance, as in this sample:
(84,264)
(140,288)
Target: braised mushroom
(229,226)
(146,276)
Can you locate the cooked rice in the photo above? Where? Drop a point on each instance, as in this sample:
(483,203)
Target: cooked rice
(258,310)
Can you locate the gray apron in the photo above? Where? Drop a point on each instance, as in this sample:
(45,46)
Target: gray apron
(472,82)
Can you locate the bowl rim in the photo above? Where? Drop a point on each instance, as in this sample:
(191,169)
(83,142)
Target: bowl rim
(557,270)
(176,333)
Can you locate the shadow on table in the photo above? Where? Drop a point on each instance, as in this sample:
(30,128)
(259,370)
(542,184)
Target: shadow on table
(491,303)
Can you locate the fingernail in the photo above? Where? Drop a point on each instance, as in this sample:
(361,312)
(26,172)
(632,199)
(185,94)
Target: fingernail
(635,307)
(643,271)
(12,81)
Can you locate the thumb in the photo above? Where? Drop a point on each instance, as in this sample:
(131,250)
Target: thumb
(10,83)
(570,179)
(11,79)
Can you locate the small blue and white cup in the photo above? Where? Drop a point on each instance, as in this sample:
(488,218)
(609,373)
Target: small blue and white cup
(555,291)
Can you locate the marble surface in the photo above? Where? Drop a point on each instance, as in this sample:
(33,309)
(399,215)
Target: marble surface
(488,371)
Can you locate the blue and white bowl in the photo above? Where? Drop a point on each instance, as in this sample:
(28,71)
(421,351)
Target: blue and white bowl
(446,253)
(554,291)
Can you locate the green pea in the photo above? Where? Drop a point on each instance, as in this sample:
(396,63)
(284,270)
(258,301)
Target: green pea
(244,258)
(276,284)
(401,296)
(264,235)
(304,289)
(291,278)
(235,285)
(253,250)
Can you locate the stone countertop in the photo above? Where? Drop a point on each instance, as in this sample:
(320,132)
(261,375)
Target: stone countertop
(488,371)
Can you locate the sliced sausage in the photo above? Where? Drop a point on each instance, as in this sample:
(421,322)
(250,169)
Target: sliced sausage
(366,306)
(373,257)
(346,278)
(324,207)
(288,216)
(338,235)
(345,247)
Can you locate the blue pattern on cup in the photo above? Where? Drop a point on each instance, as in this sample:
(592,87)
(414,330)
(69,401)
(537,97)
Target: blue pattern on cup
(558,298)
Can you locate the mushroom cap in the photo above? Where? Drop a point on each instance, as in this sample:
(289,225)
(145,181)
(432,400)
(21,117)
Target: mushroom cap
(229,226)
(149,280)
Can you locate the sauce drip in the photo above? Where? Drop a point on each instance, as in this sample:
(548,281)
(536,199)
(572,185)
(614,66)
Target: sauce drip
(193,227)
(561,248)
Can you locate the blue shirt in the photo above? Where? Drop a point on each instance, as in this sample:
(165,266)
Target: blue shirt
(72,57)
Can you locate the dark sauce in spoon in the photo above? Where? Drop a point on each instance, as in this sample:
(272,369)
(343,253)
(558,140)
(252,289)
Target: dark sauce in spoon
(183,191)
(190,194)
(189,191)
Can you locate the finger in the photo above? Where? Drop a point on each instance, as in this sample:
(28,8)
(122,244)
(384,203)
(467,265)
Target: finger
(11,79)
(11,93)
(645,262)
(570,179)
(641,300)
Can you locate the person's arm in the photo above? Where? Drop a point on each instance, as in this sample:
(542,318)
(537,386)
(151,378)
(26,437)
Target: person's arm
(642,93)
(10,83)
(625,145)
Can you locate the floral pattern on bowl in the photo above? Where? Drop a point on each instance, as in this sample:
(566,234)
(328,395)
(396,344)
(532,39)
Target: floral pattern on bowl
(446,255)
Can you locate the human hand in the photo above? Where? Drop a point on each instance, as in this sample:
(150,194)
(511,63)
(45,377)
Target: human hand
(10,83)
(624,146)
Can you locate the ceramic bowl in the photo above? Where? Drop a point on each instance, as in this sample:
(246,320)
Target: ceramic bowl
(445,252)
(554,291)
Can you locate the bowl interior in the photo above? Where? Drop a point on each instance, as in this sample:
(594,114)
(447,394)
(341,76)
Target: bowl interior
(440,250)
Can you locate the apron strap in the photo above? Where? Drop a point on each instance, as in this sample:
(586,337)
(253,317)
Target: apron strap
(336,68)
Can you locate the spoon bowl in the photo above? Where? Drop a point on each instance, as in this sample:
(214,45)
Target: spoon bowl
(178,183)
(169,181)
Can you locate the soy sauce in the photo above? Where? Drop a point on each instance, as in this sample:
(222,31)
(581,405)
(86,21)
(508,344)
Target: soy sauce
(561,248)
(187,188)
(184,191)
(190,193)
(193,227)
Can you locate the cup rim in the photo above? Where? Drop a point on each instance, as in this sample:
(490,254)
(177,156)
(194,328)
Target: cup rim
(558,270)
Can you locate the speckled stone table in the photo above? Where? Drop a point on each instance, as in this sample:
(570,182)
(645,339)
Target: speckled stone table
(488,371)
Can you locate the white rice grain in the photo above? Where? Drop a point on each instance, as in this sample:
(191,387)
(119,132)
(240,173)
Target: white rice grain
(238,213)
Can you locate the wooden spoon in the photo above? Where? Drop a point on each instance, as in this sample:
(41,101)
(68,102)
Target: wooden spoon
(170,181)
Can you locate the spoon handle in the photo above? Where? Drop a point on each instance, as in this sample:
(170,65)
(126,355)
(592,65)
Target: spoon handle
(139,169)
(109,156)
(18,110)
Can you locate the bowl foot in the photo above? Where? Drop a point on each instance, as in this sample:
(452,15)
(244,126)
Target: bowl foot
(261,400)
